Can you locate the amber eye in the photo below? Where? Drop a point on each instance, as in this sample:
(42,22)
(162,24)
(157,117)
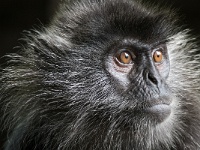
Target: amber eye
(158,56)
(125,58)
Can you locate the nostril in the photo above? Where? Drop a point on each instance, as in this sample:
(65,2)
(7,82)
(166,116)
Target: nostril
(152,78)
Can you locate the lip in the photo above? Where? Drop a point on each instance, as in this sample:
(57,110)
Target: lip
(159,111)
(159,108)
(159,102)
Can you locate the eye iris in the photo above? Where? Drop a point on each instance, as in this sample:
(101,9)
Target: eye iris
(125,58)
(158,56)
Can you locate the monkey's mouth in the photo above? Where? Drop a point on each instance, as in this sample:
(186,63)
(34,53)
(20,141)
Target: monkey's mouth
(160,108)
(159,112)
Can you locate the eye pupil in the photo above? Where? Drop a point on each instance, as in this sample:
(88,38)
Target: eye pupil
(158,56)
(125,58)
(126,55)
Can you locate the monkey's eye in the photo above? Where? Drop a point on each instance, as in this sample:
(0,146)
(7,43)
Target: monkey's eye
(125,57)
(158,56)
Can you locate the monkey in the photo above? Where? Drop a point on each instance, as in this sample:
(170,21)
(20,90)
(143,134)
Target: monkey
(104,75)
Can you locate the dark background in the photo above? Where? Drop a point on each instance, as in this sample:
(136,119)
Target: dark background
(17,16)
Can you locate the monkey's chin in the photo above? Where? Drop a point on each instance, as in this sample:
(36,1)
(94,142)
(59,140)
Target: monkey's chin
(159,112)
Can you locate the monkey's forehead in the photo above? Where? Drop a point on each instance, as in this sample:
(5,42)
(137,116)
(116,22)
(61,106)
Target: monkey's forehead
(95,19)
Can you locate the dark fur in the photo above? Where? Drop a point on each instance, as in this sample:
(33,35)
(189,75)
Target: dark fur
(57,94)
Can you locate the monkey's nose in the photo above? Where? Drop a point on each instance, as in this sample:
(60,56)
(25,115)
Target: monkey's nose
(151,78)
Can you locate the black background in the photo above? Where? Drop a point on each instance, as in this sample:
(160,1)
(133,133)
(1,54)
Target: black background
(17,16)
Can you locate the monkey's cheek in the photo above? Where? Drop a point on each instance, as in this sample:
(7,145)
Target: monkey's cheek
(159,112)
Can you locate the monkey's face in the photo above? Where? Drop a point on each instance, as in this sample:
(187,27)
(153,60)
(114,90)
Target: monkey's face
(140,72)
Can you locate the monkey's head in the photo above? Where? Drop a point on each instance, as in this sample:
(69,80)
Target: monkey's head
(107,74)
